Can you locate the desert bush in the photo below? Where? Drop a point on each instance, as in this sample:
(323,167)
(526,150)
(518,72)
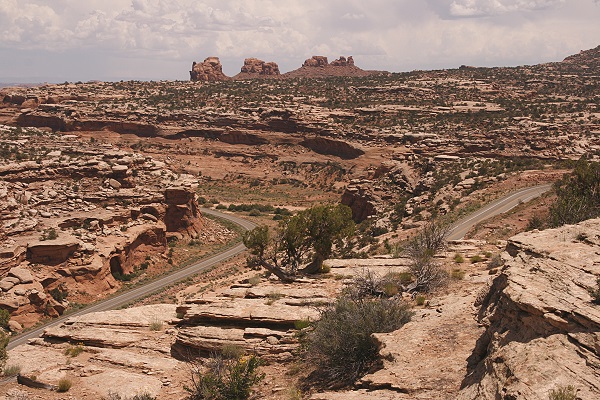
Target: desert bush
(458,258)
(475,259)
(340,345)
(457,274)
(4,318)
(563,393)
(420,300)
(12,370)
(578,195)
(64,384)
(74,351)
(535,222)
(156,324)
(225,378)
(421,249)
(4,338)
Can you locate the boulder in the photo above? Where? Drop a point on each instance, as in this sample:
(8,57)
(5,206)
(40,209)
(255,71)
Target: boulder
(23,275)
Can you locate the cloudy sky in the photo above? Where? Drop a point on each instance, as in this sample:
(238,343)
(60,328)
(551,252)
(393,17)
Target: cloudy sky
(58,40)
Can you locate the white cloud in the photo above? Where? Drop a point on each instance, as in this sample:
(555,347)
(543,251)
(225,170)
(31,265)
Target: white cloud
(476,8)
(380,34)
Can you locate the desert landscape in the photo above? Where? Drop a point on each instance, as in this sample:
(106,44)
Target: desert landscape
(350,188)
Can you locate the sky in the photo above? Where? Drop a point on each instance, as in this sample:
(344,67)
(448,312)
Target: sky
(81,40)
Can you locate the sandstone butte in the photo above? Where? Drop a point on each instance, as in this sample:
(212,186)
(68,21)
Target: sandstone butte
(211,70)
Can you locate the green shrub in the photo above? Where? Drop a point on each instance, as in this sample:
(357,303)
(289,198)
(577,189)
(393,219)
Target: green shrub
(476,259)
(420,300)
(156,324)
(225,379)
(563,393)
(64,384)
(341,347)
(74,351)
(458,258)
(578,195)
(4,318)
(457,274)
(12,370)
(301,324)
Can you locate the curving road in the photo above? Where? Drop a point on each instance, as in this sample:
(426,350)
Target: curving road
(149,288)
(502,205)
(458,231)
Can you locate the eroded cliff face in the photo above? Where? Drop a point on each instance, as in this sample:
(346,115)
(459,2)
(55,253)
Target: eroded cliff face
(542,329)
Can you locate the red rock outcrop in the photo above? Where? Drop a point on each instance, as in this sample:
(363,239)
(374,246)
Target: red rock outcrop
(51,252)
(210,70)
(255,68)
(332,147)
(316,61)
(361,200)
(182,214)
(343,62)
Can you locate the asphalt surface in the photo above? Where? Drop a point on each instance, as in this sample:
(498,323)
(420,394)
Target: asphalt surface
(458,231)
(149,288)
(502,205)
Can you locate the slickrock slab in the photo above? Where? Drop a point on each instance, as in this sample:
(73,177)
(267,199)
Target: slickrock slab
(146,361)
(542,329)
(138,317)
(211,339)
(116,328)
(362,395)
(126,384)
(246,312)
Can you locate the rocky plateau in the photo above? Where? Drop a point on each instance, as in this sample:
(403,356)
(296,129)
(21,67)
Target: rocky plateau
(101,183)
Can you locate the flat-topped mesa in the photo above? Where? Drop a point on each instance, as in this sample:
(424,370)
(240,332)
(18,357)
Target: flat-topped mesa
(316,61)
(343,62)
(256,66)
(210,70)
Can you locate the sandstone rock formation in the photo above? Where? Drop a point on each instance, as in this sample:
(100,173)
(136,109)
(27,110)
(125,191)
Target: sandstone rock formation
(542,328)
(255,68)
(362,201)
(210,70)
(332,147)
(318,66)
(343,62)
(316,61)
(260,320)
(125,352)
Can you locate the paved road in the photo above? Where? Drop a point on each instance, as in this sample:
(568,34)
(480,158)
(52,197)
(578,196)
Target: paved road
(461,227)
(149,288)
(458,231)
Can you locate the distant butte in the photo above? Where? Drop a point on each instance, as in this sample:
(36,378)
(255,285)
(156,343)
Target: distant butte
(255,68)
(211,69)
